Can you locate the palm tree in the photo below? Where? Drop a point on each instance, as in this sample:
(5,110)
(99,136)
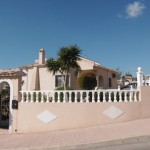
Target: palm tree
(67,59)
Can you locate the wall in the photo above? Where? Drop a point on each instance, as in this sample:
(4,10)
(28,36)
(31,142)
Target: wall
(145,97)
(85,64)
(106,74)
(80,115)
(72,115)
(47,80)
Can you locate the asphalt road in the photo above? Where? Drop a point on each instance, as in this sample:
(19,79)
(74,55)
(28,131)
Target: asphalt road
(133,146)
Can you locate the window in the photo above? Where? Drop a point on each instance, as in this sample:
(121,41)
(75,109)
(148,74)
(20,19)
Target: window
(110,84)
(113,75)
(59,81)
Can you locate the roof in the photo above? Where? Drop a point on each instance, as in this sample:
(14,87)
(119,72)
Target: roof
(96,64)
(19,72)
(99,66)
(12,72)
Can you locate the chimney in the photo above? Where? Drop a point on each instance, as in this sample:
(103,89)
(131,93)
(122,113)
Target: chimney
(42,56)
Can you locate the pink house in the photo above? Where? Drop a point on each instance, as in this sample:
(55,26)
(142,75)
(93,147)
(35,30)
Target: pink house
(36,77)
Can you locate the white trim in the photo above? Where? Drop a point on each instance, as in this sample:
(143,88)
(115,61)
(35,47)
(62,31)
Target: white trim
(10,104)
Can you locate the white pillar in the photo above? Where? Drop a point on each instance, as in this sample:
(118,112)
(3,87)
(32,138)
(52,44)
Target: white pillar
(139,77)
(119,87)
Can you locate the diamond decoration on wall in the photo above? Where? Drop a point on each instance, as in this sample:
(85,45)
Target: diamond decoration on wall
(113,112)
(46,116)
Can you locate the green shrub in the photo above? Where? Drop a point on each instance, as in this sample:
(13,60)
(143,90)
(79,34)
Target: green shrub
(87,80)
(62,88)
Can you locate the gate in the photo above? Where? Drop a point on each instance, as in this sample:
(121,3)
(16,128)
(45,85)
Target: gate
(4,105)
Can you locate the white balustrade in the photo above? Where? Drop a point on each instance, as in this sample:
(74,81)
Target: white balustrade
(125,97)
(75,98)
(115,96)
(104,97)
(80,96)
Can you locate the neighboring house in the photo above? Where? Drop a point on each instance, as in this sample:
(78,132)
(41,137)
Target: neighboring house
(36,76)
(128,79)
(146,80)
(127,82)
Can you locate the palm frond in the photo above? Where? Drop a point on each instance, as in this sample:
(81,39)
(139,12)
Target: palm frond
(52,65)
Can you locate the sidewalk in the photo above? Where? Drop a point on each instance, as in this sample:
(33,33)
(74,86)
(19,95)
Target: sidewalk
(103,135)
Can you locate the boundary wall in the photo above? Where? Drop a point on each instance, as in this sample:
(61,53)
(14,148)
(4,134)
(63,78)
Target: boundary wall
(49,115)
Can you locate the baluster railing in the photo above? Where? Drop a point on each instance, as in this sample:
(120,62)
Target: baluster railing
(47,97)
(131,96)
(87,96)
(93,97)
(104,97)
(135,97)
(120,97)
(31,97)
(125,97)
(70,97)
(75,96)
(98,96)
(109,97)
(115,97)
(80,96)
(27,97)
(42,97)
(37,97)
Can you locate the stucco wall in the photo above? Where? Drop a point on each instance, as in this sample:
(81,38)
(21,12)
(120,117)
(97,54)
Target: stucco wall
(106,74)
(27,80)
(145,99)
(78,115)
(85,64)
(75,115)
(47,80)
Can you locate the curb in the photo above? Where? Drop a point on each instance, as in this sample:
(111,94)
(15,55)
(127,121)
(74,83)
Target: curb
(99,144)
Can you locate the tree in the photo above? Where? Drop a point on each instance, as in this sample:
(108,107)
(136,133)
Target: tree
(67,59)
(119,74)
(128,74)
(87,80)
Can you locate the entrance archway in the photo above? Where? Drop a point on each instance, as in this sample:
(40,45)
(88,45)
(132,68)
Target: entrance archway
(6,97)
(4,105)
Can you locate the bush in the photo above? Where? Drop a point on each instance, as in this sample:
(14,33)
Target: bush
(62,88)
(87,80)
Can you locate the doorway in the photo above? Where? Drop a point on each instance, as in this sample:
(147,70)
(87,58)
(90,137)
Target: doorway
(4,105)
(6,97)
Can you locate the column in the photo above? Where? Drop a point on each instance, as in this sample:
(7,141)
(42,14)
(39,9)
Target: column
(139,77)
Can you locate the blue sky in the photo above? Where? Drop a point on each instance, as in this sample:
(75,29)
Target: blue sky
(115,33)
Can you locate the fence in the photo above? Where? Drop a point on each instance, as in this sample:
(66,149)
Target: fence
(80,96)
